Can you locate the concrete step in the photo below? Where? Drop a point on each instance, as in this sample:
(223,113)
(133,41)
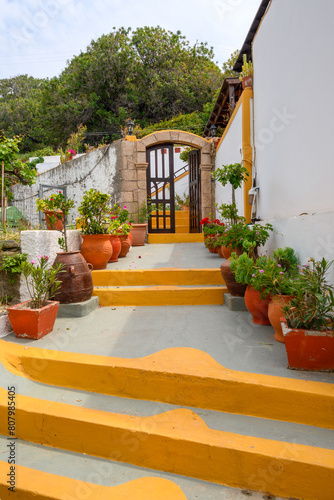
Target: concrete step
(160,295)
(70,476)
(177,441)
(161,276)
(160,238)
(177,376)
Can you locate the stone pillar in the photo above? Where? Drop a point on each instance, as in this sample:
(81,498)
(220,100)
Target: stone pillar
(129,175)
(207,186)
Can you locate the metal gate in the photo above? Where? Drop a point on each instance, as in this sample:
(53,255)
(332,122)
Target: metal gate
(194,191)
(160,188)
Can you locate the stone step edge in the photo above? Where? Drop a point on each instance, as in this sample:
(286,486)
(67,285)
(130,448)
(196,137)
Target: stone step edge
(161,296)
(30,483)
(182,376)
(176,441)
(160,276)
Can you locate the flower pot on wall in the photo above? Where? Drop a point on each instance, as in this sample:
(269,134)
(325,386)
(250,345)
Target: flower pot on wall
(76,278)
(96,249)
(309,349)
(257,307)
(247,82)
(275,312)
(138,232)
(30,323)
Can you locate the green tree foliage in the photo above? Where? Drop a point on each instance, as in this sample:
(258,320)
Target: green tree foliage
(15,170)
(227,67)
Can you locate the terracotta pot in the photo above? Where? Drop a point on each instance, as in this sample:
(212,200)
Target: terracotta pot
(226,252)
(309,349)
(235,289)
(247,81)
(257,307)
(220,252)
(275,312)
(33,323)
(96,249)
(131,239)
(125,245)
(138,232)
(116,247)
(51,223)
(76,278)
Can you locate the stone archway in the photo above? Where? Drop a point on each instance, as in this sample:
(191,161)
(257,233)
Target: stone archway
(134,166)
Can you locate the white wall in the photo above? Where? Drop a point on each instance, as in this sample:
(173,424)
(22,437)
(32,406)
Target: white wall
(99,169)
(294,109)
(230,152)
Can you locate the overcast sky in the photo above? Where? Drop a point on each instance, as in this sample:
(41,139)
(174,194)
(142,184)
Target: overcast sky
(37,37)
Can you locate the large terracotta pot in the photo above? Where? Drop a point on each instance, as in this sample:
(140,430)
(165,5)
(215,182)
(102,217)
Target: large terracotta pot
(226,252)
(257,307)
(76,278)
(116,247)
(275,312)
(235,289)
(52,221)
(138,232)
(125,245)
(220,252)
(96,249)
(33,323)
(309,349)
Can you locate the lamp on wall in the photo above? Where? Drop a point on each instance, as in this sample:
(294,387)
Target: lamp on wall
(213,130)
(130,127)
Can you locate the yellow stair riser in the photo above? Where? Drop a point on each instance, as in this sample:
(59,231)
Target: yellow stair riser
(164,276)
(177,441)
(163,238)
(160,296)
(37,485)
(181,376)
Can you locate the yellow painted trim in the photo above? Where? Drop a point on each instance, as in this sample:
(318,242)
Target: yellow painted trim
(247,149)
(131,138)
(176,441)
(160,296)
(33,484)
(162,238)
(176,141)
(170,376)
(161,276)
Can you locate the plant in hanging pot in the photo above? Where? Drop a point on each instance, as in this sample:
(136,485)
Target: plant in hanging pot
(247,73)
(139,222)
(95,210)
(35,318)
(308,326)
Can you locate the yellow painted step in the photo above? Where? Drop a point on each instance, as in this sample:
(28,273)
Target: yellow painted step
(160,296)
(37,485)
(177,441)
(162,276)
(181,376)
(161,238)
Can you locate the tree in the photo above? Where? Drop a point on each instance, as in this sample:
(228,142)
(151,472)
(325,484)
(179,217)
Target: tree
(15,170)
(228,65)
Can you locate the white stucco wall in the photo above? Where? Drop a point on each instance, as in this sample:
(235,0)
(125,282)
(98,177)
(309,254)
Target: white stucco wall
(228,152)
(293,113)
(99,169)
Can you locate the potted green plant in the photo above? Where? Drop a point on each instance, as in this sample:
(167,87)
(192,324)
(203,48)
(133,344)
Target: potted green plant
(182,202)
(95,220)
(274,278)
(246,76)
(35,318)
(139,222)
(308,326)
(53,214)
(234,174)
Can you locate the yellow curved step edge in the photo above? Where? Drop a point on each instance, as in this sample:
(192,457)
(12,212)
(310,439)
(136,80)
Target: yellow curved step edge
(182,376)
(33,484)
(179,442)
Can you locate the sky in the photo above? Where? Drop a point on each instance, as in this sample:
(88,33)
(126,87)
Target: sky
(38,37)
